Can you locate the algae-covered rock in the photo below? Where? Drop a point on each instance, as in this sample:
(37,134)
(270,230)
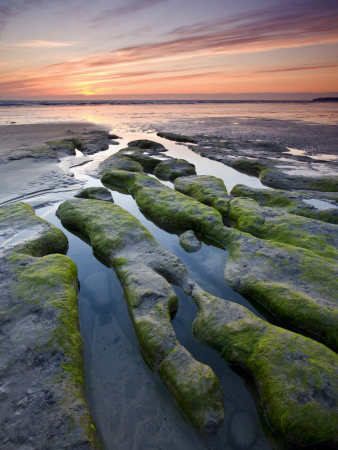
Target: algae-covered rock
(273,163)
(147,145)
(277,225)
(95,193)
(166,206)
(296,376)
(143,268)
(293,283)
(135,159)
(206,189)
(292,202)
(44,405)
(146,158)
(189,242)
(174,168)
(176,137)
(120,162)
(278,179)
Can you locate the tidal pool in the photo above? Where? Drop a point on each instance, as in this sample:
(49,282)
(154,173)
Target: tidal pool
(130,405)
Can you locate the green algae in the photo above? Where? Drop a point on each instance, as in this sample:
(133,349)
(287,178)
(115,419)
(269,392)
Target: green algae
(296,376)
(291,202)
(49,281)
(167,207)
(95,193)
(147,144)
(142,267)
(277,225)
(120,162)
(252,261)
(174,168)
(207,189)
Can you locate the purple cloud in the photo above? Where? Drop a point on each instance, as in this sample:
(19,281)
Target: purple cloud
(130,8)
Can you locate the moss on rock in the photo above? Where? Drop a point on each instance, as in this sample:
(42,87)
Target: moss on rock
(207,189)
(43,327)
(296,376)
(174,168)
(143,268)
(277,225)
(95,193)
(291,202)
(293,283)
(189,241)
(167,207)
(120,162)
(147,144)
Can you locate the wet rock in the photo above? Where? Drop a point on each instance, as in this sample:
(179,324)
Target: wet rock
(145,157)
(206,189)
(168,207)
(147,145)
(293,283)
(120,162)
(279,179)
(242,430)
(281,363)
(174,168)
(89,142)
(270,162)
(291,202)
(275,224)
(41,374)
(95,193)
(92,142)
(176,137)
(145,270)
(189,242)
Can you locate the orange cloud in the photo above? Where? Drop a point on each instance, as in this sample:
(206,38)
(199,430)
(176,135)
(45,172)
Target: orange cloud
(289,25)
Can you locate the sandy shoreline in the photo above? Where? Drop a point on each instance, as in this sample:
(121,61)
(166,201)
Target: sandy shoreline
(28,166)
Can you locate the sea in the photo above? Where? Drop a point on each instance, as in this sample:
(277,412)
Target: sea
(130,405)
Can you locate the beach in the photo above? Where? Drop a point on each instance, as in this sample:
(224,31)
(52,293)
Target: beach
(50,153)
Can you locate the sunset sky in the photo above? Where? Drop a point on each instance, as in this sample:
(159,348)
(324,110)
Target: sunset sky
(106,49)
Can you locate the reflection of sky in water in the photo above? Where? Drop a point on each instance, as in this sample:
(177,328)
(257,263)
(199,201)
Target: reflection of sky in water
(129,402)
(140,117)
(319,204)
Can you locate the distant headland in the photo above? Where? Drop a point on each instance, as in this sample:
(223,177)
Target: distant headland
(326,99)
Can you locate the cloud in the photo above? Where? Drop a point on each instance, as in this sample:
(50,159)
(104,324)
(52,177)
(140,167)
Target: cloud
(294,69)
(11,8)
(130,8)
(42,44)
(283,25)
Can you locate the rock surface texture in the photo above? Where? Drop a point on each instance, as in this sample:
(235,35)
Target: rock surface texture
(41,373)
(281,362)
(294,283)
(145,269)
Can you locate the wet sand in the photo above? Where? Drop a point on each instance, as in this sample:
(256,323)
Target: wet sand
(23,171)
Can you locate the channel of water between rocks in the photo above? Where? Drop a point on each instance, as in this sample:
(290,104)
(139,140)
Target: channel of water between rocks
(129,403)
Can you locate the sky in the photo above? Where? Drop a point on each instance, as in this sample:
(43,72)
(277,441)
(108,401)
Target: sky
(107,49)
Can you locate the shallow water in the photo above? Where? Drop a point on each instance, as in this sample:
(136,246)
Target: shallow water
(319,204)
(131,407)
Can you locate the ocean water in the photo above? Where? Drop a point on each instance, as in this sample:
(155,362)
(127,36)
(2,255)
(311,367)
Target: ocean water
(130,405)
